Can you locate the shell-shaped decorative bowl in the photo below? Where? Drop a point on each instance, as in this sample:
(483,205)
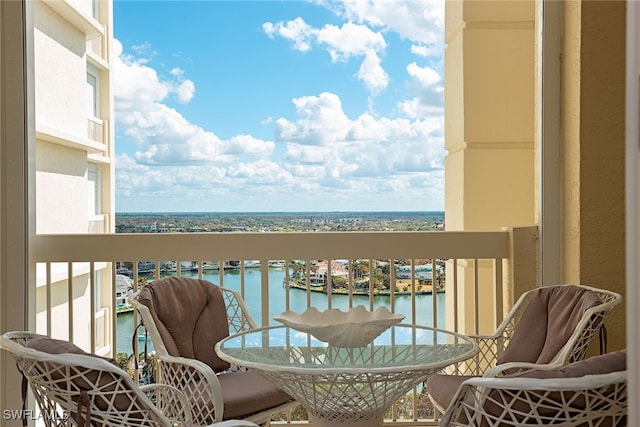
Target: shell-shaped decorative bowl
(354,328)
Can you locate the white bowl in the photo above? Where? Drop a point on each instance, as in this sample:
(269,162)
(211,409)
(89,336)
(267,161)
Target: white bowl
(354,328)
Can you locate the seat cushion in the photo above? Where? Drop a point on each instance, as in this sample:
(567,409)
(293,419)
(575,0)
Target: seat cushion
(245,393)
(190,315)
(547,323)
(442,388)
(546,403)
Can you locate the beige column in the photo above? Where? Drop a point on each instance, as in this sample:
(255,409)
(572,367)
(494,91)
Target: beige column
(489,127)
(16,124)
(593,150)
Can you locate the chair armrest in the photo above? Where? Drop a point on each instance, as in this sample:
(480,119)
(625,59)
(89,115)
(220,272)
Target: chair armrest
(550,384)
(511,368)
(186,374)
(172,402)
(235,423)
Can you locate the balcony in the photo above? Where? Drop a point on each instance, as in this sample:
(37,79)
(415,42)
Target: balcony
(475,270)
(98,224)
(96,130)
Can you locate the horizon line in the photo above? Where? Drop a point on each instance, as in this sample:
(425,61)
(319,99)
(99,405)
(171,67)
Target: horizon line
(272,212)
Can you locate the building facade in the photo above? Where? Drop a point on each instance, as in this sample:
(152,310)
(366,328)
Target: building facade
(74,149)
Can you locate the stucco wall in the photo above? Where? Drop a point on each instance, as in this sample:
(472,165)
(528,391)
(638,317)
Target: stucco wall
(593,149)
(61,189)
(60,73)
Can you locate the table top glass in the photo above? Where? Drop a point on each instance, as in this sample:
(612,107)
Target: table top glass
(400,348)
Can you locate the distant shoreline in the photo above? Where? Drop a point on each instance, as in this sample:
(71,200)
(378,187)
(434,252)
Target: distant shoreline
(287,213)
(169,222)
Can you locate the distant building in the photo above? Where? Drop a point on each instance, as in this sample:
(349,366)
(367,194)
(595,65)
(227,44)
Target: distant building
(74,145)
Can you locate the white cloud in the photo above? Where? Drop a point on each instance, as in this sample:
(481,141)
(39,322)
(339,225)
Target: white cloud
(342,43)
(421,21)
(364,147)
(427,76)
(185,91)
(429,89)
(321,122)
(350,40)
(138,82)
(261,172)
(296,31)
(416,108)
(420,50)
(372,74)
(247,145)
(163,135)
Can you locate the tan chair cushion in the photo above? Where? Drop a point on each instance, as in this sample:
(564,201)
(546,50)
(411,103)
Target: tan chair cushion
(547,323)
(49,345)
(603,364)
(190,315)
(442,387)
(244,393)
(90,380)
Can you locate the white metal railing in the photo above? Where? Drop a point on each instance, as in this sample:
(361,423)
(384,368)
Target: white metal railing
(468,266)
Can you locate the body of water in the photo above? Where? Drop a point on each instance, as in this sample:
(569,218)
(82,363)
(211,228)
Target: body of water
(297,302)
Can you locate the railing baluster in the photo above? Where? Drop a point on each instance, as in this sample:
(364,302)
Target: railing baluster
(48,297)
(329,285)
(264,273)
(434,293)
(454,284)
(70,298)
(499,304)
(92,306)
(476,295)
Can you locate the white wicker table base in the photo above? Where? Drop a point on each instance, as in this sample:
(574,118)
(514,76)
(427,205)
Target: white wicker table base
(344,399)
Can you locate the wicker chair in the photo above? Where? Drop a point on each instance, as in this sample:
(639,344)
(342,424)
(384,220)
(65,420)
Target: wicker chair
(551,325)
(185,318)
(74,387)
(589,393)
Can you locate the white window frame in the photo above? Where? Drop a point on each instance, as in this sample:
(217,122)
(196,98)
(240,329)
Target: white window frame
(94,191)
(93,92)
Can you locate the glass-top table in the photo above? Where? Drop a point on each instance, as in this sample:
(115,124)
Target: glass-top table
(346,386)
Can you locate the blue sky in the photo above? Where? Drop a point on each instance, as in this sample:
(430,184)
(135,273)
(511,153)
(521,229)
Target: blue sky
(257,106)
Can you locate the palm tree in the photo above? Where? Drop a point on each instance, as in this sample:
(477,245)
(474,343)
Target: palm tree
(298,269)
